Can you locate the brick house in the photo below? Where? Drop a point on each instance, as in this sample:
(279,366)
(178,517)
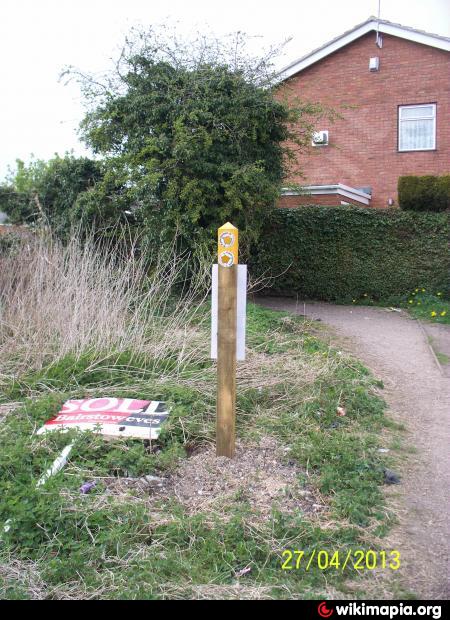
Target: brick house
(391,87)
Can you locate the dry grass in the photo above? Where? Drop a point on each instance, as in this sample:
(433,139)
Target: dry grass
(81,298)
(58,299)
(26,574)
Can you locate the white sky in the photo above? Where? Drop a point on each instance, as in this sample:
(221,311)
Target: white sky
(38,38)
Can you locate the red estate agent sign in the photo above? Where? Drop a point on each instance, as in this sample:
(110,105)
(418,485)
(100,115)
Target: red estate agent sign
(112,417)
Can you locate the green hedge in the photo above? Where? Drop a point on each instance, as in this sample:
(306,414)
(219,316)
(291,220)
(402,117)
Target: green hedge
(424,193)
(342,253)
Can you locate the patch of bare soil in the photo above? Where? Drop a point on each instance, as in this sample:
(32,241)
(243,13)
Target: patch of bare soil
(259,475)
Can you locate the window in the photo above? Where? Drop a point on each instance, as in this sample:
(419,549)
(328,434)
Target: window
(417,127)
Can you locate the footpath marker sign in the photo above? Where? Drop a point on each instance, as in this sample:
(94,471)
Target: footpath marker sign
(111,417)
(227,332)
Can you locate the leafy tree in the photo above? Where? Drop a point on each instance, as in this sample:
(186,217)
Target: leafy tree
(18,193)
(46,192)
(193,135)
(13,204)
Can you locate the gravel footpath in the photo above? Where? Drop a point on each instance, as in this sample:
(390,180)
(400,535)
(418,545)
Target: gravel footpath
(396,349)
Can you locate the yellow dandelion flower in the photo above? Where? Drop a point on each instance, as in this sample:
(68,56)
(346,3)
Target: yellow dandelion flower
(410,301)
(439,294)
(434,313)
(417,290)
(444,313)
(423,290)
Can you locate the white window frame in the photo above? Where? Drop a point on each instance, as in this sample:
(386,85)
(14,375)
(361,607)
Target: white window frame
(417,118)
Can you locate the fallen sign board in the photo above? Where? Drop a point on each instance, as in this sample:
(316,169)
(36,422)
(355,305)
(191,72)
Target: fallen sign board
(112,417)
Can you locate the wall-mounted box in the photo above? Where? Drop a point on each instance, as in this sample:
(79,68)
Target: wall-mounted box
(374,63)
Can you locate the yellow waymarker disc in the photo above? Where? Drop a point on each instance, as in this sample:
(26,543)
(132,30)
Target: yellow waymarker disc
(227,245)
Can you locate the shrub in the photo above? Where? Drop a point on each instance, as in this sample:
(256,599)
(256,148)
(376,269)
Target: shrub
(425,193)
(343,253)
(192,136)
(45,192)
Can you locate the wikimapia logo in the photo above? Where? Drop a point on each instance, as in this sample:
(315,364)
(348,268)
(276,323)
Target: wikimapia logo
(390,611)
(323,610)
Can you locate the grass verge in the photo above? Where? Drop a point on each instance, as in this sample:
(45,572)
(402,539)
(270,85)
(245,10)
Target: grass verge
(429,306)
(307,476)
(132,544)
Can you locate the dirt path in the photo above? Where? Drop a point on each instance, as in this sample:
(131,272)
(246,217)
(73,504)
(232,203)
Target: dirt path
(396,349)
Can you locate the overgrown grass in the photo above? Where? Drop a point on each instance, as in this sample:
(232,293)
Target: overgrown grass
(62,544)
(88,298)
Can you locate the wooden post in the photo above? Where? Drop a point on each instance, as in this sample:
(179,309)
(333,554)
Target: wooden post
(226,340)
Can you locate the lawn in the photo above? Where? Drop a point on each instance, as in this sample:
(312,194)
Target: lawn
(307,476)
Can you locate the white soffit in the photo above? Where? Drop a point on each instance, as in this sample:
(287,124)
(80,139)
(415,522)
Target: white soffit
(372,24)
(338,189)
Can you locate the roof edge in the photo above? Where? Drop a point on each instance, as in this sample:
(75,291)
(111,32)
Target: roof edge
(372,24)
(337,188)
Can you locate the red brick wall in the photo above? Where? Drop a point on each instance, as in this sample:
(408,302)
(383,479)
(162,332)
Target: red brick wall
(363,143)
